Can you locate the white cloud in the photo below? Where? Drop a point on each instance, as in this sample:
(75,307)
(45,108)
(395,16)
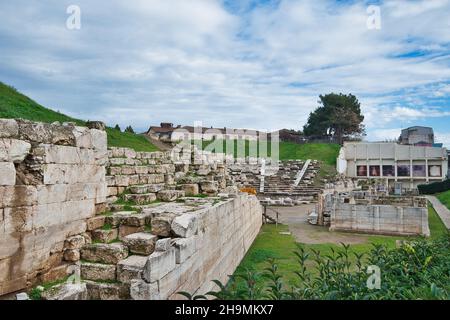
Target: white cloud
(143,62)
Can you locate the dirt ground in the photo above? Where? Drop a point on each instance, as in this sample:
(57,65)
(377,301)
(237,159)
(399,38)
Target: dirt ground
(304,232)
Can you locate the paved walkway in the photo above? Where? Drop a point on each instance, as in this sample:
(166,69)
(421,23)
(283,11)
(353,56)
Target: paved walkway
(441,210)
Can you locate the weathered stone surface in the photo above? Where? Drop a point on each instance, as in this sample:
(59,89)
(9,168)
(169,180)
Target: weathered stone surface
(83,137)
(75,242)
(159,264)
(105,235)
(8,128)
(72,255)
(95,223)
(17,196)
(22,296)
(66,292)
(141,198)
(146,188)
(104,253)
(125,230)
(185,225)
(99,125)
(161,225)
(131,268)
(141,290)
(98,271)
(140,243)
(12,150)
(7,174)
(184,248)
(163,244)
(55,274)
(190,189)
(170,195)
(107,291)
(117,218)
(209,187)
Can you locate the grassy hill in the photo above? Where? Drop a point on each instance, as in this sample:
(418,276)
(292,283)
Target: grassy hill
(13,104)
(326,153)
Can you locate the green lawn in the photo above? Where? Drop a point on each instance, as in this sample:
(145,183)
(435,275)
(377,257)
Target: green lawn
(13,104)
(444,197)
(271,244)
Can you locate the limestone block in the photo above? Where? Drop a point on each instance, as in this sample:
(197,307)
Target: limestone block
(141,198)
(98,271)
(75,242)
(12,150)
(162,225)
(129,153)
(117,218)
(134,179)
(170,195)
(107,291)
(51,193)
(190,189)
(105,236)
(118,152)
(72,173)
(117,161)
(159,263)
(9,245)
(112,191)
(131,268)
(66,291)
(163,244)
(114,171)
(99,140)
(127,230)
(141,170)
(72,255)
(134,220)
(155,178)
(8,128)
(185,248)
(210,187)
(185,225)
(83,137)
(104,253)
(141,290)
(17,196)
(7,174)
(128,170)
(95,222)
(122,181)
(146,188)
(141,243)
(17,219)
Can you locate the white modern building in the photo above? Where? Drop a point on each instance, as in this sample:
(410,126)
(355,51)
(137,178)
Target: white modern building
(406,166)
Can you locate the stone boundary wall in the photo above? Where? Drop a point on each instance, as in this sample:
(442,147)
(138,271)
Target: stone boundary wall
(216,240)
(52,178)
(380,219)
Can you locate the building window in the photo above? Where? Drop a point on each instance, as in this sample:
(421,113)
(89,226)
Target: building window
(361,171)
(435,171)
(419,171)
(374,171)
(403,171)
(388,171)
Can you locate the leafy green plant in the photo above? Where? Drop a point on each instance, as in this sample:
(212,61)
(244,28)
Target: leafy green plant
(418,269)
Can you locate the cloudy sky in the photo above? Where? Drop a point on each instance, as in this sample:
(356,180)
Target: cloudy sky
(237,63)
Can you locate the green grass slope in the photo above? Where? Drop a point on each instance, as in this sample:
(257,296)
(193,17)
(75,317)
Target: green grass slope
(13,104)
(444,197)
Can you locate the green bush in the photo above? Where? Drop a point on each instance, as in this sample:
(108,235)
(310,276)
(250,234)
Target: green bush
(416,270)
(435,187)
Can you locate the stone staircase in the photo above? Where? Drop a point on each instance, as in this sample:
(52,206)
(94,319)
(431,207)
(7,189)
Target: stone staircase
(280,182)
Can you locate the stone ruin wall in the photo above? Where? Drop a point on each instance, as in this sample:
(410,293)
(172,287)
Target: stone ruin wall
(56,181)
(52,178)
(385,215)
(224,234)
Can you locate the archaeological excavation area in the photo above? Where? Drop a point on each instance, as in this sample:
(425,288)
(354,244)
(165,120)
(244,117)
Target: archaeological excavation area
(81,221)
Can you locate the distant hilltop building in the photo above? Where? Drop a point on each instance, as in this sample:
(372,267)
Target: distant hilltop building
(417,136)
(416,159)
(167,132)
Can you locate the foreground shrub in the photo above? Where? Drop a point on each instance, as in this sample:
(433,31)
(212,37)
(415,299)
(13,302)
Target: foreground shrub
(416,270)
